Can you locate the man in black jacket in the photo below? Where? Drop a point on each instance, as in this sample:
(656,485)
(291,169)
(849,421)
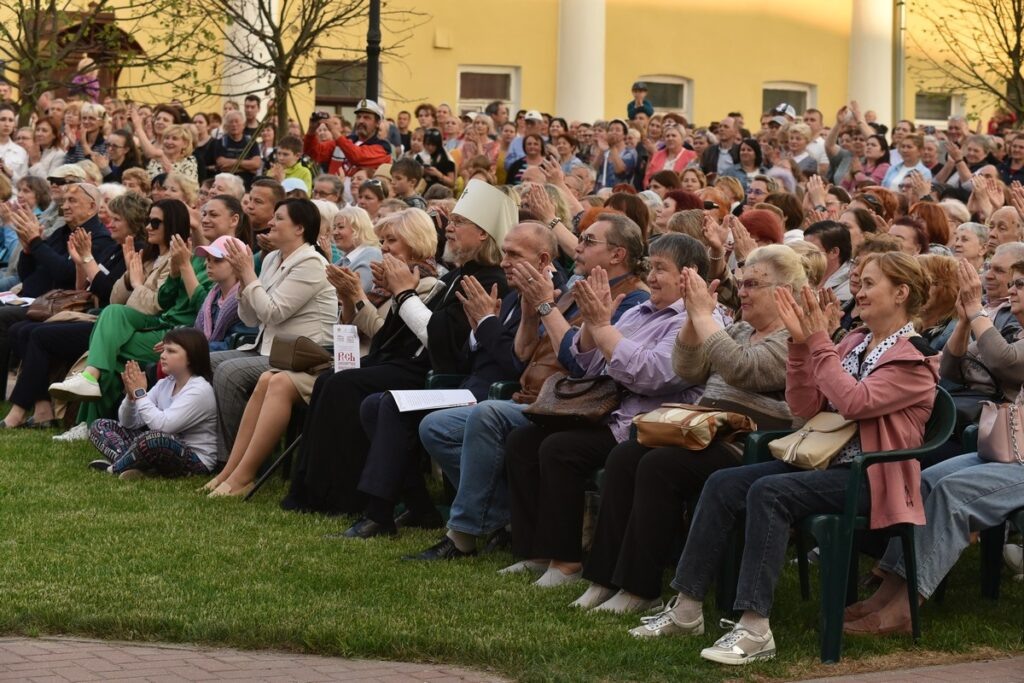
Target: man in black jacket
(417,336)
(44,264)
(391,470)
(718,158)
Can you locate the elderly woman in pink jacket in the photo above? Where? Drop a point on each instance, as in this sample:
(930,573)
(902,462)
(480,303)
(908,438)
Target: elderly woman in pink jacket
(883,376)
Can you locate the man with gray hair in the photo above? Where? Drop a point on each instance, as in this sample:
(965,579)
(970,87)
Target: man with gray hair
(328,188)
(956,129)
(1004,227)
(234,148)
(719,158)
(996,284)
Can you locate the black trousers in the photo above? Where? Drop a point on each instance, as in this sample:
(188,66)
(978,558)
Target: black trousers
(334,445)
(643,505)
(547,477)
(42,347)
(8,316)
(392,463)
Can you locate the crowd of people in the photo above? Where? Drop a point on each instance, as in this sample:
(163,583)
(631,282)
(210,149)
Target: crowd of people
(807,265)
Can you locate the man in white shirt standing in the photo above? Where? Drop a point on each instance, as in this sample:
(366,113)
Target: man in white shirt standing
(816,146)
(13,157)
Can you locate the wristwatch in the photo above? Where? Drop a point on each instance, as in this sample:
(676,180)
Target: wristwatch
(544,309)
(980,314)
(87,259)
(139,393)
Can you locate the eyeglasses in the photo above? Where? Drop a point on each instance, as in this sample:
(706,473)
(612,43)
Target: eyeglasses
(587,240)
(754,284)
(756,192)
(113,146)
(155,223)
(1017,283)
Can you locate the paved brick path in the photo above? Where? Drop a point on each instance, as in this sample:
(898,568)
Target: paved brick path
(994,671)
(59,660)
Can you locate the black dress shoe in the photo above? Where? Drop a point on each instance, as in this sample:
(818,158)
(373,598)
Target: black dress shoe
(445,549)
(498,541)
(425,520)
(366,528)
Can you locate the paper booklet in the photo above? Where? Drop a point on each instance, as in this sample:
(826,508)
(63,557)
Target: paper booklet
(432,399)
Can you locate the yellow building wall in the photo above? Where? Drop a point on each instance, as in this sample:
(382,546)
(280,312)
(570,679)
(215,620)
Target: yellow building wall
(729,50)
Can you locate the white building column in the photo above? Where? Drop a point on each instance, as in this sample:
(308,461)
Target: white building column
(871,54)
(579,84)
(239,79)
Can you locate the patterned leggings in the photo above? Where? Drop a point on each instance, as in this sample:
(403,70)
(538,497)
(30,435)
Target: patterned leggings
(142,449)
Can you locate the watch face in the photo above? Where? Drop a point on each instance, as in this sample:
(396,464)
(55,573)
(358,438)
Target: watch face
(139,393)
(544,309)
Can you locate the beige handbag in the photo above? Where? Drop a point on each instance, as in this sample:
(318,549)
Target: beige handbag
(299,354)
(1001,432)
(813,446)
(688,426)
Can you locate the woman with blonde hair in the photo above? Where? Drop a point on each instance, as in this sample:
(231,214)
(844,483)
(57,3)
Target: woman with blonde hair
(89,137)
(183,188)
(693,180)
(813,260)
(174,155)
(410,237)
(354,235)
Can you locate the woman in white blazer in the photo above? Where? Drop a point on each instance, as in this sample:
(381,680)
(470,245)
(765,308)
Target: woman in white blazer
(291,295)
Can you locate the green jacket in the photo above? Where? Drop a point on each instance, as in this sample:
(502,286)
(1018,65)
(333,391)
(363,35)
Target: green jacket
(177,308)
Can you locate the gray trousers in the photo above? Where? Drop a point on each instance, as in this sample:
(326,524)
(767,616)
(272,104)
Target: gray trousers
(961,495)
(235,374)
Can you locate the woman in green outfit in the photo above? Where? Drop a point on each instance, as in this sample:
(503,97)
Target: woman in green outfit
(122,333)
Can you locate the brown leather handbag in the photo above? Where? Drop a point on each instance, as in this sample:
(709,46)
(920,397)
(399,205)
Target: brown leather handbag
(567,402)
(299,354)
(688,426)
(1001,432)
(58,300)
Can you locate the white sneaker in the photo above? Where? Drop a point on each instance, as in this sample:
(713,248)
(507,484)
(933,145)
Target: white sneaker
(75,387)
(666,623)
(80,432)
(740,646)
(1013,555)
(525,566)
(627,603)
(555,577)
(594,596)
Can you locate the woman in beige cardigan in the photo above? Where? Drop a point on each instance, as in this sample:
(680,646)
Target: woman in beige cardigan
(269,409)
(290,296)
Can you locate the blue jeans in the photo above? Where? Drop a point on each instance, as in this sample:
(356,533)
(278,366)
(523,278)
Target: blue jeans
(774,496)
(961,495)
(469,445)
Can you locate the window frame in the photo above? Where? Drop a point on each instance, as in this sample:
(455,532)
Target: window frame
(810,91)
(957,107)
(686,108)
(464,105)
(340,106)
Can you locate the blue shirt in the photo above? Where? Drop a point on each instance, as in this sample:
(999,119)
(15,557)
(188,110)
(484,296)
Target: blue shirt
(606,175)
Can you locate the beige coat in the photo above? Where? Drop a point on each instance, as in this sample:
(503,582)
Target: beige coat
(290,297)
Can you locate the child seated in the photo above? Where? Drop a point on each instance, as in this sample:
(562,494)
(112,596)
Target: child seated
(170,430)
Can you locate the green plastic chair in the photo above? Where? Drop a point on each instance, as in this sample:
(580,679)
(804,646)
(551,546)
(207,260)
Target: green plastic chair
(834,533)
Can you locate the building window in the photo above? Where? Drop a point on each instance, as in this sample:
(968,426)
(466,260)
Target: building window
(339,86)
(800,96)
(930,106)
(670,94)
(480,85)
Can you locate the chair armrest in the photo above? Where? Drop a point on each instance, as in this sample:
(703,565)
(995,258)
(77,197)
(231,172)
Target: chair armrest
(756,448)
(502,391)
(437,380)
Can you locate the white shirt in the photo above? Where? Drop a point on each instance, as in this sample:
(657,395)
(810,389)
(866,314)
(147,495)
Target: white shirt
(190,415)
(15,158)
(816,148)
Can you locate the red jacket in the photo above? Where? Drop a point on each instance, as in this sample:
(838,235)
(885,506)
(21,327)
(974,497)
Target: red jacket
(345,154)
(891,406)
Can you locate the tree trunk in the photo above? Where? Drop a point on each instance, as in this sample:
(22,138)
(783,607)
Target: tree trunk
(281,88)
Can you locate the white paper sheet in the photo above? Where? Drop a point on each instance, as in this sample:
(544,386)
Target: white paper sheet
(432,399)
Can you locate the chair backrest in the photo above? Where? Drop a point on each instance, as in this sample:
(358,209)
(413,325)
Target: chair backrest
(941,422)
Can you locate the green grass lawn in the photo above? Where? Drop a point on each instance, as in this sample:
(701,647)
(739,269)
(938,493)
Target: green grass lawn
(86,554)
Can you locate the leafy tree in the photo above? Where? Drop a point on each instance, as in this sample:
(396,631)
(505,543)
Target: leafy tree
(43,41)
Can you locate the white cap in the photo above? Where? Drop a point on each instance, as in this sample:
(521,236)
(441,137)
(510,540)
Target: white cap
(489,208)
(370,107)
(291,184)
(533,115)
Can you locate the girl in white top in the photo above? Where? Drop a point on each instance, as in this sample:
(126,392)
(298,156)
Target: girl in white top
(170,430)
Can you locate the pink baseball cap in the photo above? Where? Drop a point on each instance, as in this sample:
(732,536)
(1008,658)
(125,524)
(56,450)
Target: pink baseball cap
(218,248)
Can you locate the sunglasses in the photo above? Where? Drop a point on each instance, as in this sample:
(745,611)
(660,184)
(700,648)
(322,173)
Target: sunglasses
(754,284)
(155,223)
(1017,283)
(589,240)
